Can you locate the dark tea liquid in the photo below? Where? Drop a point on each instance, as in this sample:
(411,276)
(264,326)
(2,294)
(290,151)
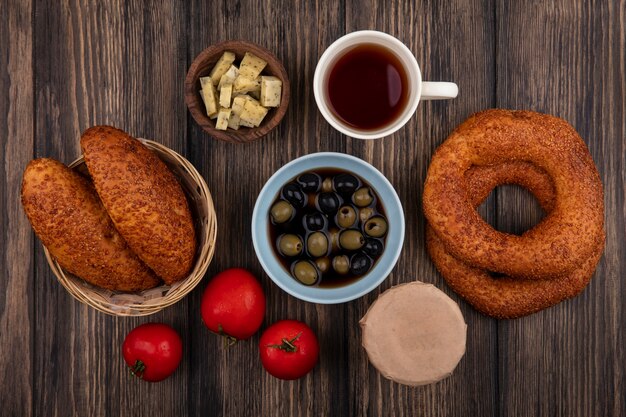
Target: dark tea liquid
(367,87)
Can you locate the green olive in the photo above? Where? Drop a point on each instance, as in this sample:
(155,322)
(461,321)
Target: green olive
(334,239)
(323,264)
(346,216)
(376,227)
(362,197)
(341,264)
(290,245)
(365,214)
(281,212)
(305,272)
(327,185)
(351,239)
(317,244)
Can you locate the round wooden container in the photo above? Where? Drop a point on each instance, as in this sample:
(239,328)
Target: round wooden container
(155,299)
(202,65)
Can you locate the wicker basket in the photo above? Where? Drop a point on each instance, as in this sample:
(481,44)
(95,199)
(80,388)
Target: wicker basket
(155,299)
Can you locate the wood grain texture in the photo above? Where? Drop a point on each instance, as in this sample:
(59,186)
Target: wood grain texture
(233,382)
(16,276)
(76,63)
(568,59)
(440,38)
(119,63)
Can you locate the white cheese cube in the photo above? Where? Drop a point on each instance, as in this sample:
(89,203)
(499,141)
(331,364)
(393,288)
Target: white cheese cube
(271,88)
(209,96)
(251,65)
(204,81)
(225,94)
(245,123)
(243,85)
(234,121)
(222,65)
(238,103)
(228,77)
(222,119)
(253,113)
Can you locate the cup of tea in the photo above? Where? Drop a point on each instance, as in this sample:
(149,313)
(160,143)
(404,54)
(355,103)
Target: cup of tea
(368,84)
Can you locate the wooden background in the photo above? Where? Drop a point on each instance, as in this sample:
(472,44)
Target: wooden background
(67,65)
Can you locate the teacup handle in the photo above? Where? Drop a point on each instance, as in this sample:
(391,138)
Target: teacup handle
(438,90)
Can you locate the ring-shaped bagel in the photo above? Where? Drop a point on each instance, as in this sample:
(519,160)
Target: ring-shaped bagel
(507,297)
(565,238)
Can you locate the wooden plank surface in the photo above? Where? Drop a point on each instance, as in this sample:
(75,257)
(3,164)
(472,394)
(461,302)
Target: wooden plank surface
(17,272)
(569,359)
(238,385)
(119,63)
(76,63)
(440,45)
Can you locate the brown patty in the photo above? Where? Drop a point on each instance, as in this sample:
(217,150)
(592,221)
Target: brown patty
(143,198)
(71,222)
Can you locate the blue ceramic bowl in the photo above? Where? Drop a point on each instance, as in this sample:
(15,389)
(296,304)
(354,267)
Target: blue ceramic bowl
(263,244)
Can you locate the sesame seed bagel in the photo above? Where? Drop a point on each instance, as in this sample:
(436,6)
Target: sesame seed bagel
(506,297)
(567,236)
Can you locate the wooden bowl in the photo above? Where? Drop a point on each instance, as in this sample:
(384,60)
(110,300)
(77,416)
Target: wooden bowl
(203,64)
(155,299)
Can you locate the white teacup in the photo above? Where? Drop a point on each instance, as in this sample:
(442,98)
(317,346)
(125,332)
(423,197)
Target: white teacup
(417,89)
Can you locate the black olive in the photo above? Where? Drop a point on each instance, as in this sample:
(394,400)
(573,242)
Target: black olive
(360,264)
(373,247)
(328,202)
(310,182)
(345,183)
(293,193)
(314,221)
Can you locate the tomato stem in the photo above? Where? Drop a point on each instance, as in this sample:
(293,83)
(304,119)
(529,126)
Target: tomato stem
(228,339)
(138,369)
(287,345)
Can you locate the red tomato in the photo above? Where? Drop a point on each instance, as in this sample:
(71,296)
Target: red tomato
(152,351)
(233,304)
(289,349)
